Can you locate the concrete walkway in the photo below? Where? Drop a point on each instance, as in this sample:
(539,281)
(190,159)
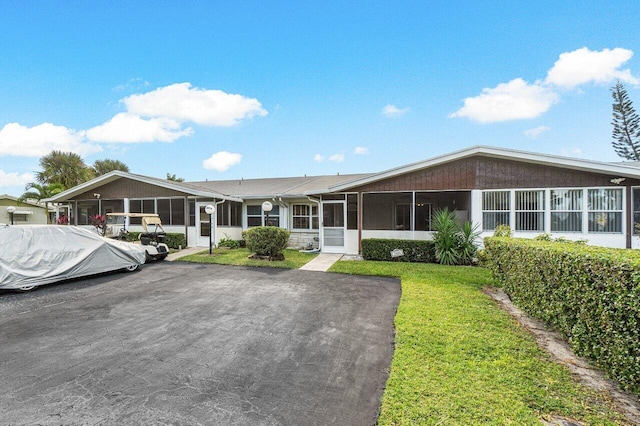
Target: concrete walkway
(185,252)
(322,262)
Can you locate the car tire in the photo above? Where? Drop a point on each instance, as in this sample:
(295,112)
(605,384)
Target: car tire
(26,288)
(132,268)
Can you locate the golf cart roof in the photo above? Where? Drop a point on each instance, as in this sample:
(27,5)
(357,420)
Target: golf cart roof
(132,214)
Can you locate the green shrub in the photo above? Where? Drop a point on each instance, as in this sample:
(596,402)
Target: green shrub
(502,231)
(229,243)
(266,240)
(414,250)
(175,240)
(172,240)
(591,294)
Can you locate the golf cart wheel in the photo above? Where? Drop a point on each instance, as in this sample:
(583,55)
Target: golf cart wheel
(162,256)
(26,288)
(132,268)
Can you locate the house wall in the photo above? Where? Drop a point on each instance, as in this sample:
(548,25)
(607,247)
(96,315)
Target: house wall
(38,217)
(490,173)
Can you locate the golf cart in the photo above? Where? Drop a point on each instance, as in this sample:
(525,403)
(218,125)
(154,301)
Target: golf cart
(152,239)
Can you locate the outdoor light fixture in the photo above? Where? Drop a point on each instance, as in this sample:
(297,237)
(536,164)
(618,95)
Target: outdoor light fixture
(210,209)
(11,210)
(267,207)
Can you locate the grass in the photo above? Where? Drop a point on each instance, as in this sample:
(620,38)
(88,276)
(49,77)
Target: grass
(460,360)
(293,259)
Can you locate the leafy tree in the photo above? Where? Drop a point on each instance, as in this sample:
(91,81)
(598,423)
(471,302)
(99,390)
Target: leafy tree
(65,168)
(173,178)
(36,191)
(626,125)
(102,167)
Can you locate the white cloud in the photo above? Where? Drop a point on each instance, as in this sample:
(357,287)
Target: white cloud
(360,150)
(221,161)
(318,158)
(37,141)
(572,152)
(536,132)
(393,111)
(584,66)
(337,158)
(14,179)
(130,128)
(183,103)
(514,100)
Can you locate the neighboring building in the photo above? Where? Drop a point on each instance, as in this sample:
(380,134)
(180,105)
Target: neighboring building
(532,193)
(25,213)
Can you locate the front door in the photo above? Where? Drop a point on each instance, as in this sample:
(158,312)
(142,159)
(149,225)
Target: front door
(333,226)
(202,226)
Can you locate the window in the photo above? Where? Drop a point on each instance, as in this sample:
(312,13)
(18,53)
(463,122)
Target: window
(192,213)
(229,213)
(495,209)
(86,209)
(529,210)
(605,210)
(255,216)
(352,211)
(566,210)
(636,211)
(141,206)
(305,216)
(403,216)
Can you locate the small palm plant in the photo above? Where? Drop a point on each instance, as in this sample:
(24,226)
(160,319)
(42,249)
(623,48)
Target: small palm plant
(454,244)
(446,237)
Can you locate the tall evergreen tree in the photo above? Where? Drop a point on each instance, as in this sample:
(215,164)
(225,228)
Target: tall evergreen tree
(626,125)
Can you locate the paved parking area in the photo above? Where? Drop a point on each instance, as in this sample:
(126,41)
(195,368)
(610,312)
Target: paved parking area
(185,344)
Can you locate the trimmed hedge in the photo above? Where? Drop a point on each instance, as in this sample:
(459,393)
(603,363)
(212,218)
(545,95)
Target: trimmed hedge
(591,294)
(172,240)
(266,240)
(414,250)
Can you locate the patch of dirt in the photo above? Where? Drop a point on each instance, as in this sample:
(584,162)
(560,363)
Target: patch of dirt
(267,258)
(554,343)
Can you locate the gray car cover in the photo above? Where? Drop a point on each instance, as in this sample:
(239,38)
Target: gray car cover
(33,255)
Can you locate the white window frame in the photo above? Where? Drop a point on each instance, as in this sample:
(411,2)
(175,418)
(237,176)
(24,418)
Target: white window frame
(508,210)
(309,216)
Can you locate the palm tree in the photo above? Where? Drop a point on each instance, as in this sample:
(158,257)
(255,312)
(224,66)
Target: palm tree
(102,167)
(65,168)
(36,191)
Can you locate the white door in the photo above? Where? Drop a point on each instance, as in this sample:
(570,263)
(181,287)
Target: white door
(202,226)
(333,226)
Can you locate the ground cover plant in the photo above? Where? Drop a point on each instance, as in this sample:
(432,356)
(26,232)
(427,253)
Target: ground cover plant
(459,359)
(240,257)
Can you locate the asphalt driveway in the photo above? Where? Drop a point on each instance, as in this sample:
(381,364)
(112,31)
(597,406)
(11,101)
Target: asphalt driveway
(184,344)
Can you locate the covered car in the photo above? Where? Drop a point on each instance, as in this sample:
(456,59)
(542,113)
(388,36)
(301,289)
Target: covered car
(34,255)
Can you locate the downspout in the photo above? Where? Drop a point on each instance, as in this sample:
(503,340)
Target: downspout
(319,222)
(284,207)
(186,220)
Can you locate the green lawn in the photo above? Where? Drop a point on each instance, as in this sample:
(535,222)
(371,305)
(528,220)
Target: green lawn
(460,360)
(293,259)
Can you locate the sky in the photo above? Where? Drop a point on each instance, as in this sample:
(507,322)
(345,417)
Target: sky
(247,89)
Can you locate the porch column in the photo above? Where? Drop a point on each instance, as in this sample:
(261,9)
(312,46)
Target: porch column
(360,196)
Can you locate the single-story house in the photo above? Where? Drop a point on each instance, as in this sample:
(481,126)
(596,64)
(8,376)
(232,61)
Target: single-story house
(532,193)
(21,212)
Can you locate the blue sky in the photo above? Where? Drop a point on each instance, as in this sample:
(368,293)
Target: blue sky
(223,90)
